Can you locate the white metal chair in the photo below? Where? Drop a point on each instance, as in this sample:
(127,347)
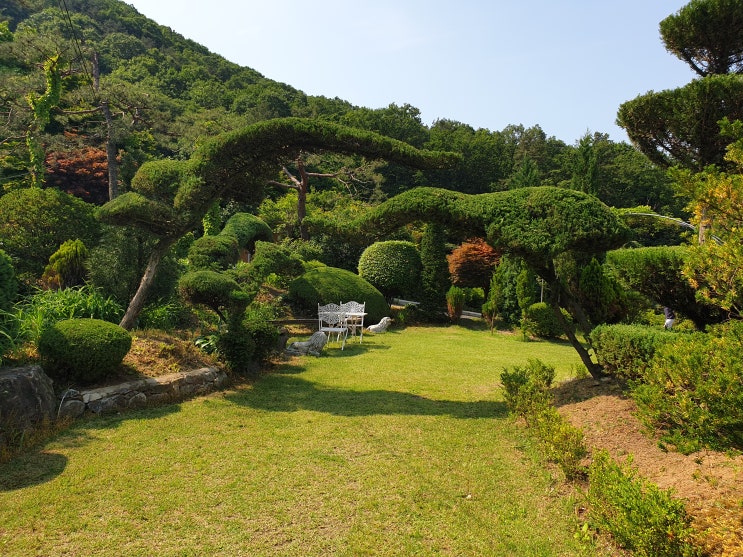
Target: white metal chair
(355,312)
(332,321)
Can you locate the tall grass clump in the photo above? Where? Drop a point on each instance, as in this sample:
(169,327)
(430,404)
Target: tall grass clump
(46,307)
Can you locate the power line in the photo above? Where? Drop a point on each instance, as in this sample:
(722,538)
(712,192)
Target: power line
(76,41)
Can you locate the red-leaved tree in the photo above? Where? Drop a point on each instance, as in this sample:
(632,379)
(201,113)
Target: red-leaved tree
(471,264)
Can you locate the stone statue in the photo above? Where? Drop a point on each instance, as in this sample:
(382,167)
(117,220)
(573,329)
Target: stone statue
(312,346)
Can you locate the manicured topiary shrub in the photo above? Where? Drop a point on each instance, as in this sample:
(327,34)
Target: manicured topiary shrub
(326,285)
(393,267)
(626,350)
(540,320)
(83,349)
(209,288)
(213,252)
(247,229)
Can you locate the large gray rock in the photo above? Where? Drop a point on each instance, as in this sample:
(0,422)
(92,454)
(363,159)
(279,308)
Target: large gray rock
(26,396)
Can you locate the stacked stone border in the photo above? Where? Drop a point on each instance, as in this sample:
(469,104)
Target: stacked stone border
(142,392)
(27,395)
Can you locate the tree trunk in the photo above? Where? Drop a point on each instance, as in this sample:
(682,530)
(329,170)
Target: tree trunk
(555,291)
(137,302)
(112,163)
(302,199)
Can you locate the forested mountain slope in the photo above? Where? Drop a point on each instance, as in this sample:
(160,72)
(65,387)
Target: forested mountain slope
(129,90)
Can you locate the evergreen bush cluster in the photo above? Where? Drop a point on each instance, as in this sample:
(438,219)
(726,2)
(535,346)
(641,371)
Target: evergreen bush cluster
(692,391)
(539,320)
(326,285)
(640,516)
(527,394)
(83,349)
(627,350)
(455,298)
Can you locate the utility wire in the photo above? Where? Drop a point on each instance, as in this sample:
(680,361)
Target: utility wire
(76,41)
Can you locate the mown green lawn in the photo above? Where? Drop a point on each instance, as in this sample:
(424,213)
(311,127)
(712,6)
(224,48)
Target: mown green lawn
(398,446)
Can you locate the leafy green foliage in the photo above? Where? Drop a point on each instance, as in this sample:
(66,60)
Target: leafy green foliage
(393,267)
(702,35)
(657,272)
(693,390)
(600,294)
(264,335)
(503,292)
(39,311)
(526,390)
(270,259)
(640,516)
(217,253)
(117,262)
(325,285)
(539,320)
(67,265)
(628,350)
(83,349)
(455,297)
(248,229)
(34,222)
(212,289)
(8,282)
(689,116)
(166,315)
(435,271)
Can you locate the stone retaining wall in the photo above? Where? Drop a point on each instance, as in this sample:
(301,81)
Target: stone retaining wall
(141,392)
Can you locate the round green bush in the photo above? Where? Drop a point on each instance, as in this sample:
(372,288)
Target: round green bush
(214,252)
(393,267)
(247,229)
(209,288)
(326,285)
(83,349)
(540,320)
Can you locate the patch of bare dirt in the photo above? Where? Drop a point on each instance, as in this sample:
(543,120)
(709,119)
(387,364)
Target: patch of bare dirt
(707,481)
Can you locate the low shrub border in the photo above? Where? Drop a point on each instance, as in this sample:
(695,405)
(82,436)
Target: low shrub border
(636,513)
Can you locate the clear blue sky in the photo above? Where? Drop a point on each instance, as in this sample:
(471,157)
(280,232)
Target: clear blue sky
(563,65)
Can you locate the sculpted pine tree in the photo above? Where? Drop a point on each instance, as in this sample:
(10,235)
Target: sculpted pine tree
(554,231)
(170,198)
(680,126)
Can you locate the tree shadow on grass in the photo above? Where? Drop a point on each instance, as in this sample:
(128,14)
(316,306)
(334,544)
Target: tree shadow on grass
(284,392)
(36,465)
(31,469)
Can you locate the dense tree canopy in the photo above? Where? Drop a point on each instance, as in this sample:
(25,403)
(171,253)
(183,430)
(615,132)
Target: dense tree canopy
(552,229)
(681,126)
(170,198)
(707,35)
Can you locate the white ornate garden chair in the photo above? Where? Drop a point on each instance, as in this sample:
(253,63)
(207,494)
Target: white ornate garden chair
(355,312)
(332,321)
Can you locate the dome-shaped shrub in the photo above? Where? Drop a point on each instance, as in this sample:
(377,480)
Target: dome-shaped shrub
(83,349)
(248,229)
(393,267)
(325,285)
(214,252)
